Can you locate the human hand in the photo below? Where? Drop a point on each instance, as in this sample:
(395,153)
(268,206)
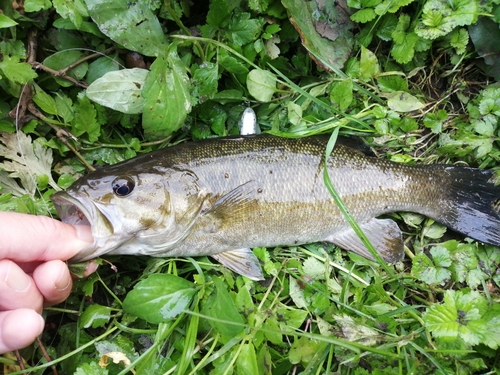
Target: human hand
(33,273)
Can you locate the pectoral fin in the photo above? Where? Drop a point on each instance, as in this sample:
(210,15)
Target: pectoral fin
(242,261)
(384,234)
(234,204)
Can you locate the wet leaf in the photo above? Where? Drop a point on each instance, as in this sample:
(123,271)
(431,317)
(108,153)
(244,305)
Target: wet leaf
(220,306)
(120,90)
(95,316)
(401,101)
(167,97)
(261,84)
(159,298)
(131,24)
(323,31)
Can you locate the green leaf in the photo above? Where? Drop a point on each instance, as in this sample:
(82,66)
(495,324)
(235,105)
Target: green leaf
(368,65)
(427,271)
(326,36)
(364,15)
(6,21)
(246,362)
(242,29)
(220,306)
(131,24)
(36,5)
(75,10)
(461,316)
(45,101)
(159,298)
(120,90)
(15,71)
(261,84)
(91,368)
(204,82)
(218,14)
(341,93)
(167,97)
(95,316)
(63,59)
(85,120)
(402,101)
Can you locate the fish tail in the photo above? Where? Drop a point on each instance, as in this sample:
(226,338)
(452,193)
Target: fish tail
(472,204)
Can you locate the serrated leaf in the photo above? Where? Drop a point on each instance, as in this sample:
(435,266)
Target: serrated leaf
(402,101)
(26,160)
(363,15)
(167,98)
(341,93)
(85,120)
(15,71)
(75,10)
(261,84)
(45,101)
(242,29)
(120,90)
(131,24)
(159,298)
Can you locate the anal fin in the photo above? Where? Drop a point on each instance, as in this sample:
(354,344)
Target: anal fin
(242,261)
(384,235)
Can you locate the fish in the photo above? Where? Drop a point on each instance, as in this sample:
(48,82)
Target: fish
(222,197)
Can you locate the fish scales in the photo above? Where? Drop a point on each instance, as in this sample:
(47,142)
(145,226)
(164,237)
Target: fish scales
(222,197)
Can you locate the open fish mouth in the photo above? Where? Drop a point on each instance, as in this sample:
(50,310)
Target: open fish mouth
(73,210)
(70,210)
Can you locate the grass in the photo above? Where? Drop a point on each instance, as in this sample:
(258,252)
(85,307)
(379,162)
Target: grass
(410,89)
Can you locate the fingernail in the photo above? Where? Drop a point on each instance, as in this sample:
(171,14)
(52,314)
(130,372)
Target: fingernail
(16,279)
(63,281)
(84,233)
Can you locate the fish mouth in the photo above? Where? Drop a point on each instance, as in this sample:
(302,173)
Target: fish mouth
(72,210)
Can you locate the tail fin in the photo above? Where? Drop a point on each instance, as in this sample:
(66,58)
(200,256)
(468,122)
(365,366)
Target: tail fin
(473,204)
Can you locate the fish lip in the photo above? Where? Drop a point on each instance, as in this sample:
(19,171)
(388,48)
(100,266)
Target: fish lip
(73,211)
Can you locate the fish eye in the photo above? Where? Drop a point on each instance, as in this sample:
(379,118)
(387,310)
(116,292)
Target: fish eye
(123,186)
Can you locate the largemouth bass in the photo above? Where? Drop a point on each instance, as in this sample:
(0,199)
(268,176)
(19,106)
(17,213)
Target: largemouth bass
(222,197)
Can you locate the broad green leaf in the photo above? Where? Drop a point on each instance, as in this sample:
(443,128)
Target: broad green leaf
(6,21)
(402,101)
(120,90)
(246,362)
(95,316)
(45,101)
(326,36)
(63,59)
(167,98)
(341,93)
(131,24)
(220,306)
(36,5)
(218,14)
(159,298)
(425,270)
(368,65)
(261,84)
(100,67)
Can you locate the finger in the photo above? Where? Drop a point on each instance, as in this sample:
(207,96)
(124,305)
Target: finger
(19,328)
(27,238)
(17,289)
(53,280)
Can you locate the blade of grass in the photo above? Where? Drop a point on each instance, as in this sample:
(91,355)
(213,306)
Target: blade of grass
(345,211)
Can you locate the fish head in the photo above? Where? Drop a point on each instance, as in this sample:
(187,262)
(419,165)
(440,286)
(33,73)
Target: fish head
(125,209)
